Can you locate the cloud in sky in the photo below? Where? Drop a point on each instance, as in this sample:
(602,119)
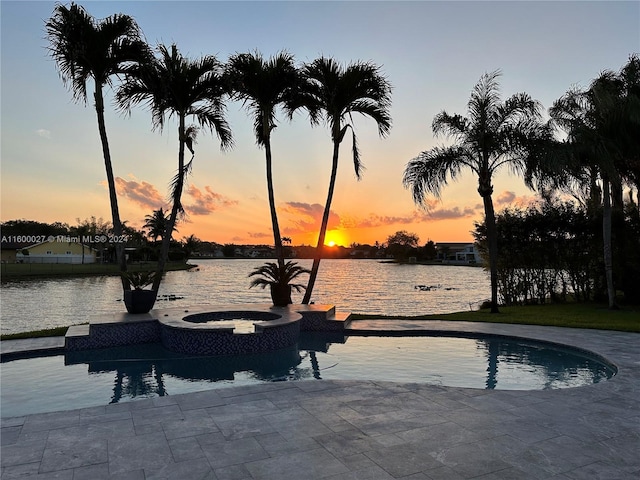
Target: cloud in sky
(507,198)
(452,213)
(259,235)
(307,217)
(374,220)
(304,218)
(141,193)
(148,197)
(44,133)
(207,201)
(254,237)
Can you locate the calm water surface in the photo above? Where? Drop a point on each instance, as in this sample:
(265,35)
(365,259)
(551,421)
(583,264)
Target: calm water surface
(361,286)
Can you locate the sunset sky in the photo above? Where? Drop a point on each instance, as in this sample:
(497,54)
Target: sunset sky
(432,53)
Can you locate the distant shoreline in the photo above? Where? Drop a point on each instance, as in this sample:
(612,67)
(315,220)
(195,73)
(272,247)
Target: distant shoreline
(12,271)
(448,263)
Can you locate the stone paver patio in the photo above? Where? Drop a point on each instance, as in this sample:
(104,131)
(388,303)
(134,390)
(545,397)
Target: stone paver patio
(341,430)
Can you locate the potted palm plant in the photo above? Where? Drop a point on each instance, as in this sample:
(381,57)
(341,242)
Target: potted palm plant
(279,280)
(137,299)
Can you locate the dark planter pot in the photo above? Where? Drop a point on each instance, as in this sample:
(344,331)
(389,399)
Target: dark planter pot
(139,301)
(281,295)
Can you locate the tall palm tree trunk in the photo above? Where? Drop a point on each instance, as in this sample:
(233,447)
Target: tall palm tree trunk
(606,240)
(113,197)
(323,226)
(277,239)
(492,240)
(175,208)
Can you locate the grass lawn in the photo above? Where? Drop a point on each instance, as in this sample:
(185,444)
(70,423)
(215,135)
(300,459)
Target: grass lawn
(573,315)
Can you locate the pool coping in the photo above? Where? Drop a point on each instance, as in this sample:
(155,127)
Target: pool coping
(354,428)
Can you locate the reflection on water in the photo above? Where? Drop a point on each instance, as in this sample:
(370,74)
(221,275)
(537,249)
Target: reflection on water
(361,286)
(523,363)
(80,379)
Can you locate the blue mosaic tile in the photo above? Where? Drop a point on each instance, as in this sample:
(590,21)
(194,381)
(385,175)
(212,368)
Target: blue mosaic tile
(225,342)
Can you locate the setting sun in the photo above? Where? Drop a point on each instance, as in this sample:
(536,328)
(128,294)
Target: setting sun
(335,238)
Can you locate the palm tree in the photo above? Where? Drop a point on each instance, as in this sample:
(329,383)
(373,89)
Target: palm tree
(156,224)
(190,244)
(603,125)
(174,85)
(332,93)
(279,280)
(263,85)
(494,134)
(84,48)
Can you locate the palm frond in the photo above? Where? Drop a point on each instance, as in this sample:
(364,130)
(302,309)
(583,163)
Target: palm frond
(449,125)
(357,164)
(190,135)
(427,173)
(171,84)
(271,274)
(84,48)
(485,97)
(262,85)
(333,92)
(176,185)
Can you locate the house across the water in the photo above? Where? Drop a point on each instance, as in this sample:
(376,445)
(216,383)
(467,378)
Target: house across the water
(58,250)
(463,253)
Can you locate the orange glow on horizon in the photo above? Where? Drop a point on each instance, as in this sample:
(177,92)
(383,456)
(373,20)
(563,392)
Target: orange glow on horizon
(336,238)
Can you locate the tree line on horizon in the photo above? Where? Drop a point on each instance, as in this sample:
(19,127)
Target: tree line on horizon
(596,159)
(143,244)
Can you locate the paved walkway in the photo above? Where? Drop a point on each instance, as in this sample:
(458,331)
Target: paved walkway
(352,429)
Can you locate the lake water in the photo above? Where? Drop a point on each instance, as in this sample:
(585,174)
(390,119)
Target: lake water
(358,286)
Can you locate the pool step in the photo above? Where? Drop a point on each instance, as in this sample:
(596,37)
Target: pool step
(77,335)
(31,347)
(341,317)
(113,330)
(78,331)
(321,318)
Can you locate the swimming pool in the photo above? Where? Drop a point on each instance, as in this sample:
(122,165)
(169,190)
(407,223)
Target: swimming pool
(100,377)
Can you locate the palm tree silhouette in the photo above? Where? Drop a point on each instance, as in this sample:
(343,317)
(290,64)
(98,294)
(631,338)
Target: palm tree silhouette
(174,85)
(332,93)
(156,224)
(84,48)
(602,124)
(494,134)
(263,85)
(190,244)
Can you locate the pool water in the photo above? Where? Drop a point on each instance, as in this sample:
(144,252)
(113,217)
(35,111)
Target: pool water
(240,321)
(100,377)
(239,325)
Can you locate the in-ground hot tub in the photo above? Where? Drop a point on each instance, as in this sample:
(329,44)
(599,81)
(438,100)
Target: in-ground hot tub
(230,331)
(240,321)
